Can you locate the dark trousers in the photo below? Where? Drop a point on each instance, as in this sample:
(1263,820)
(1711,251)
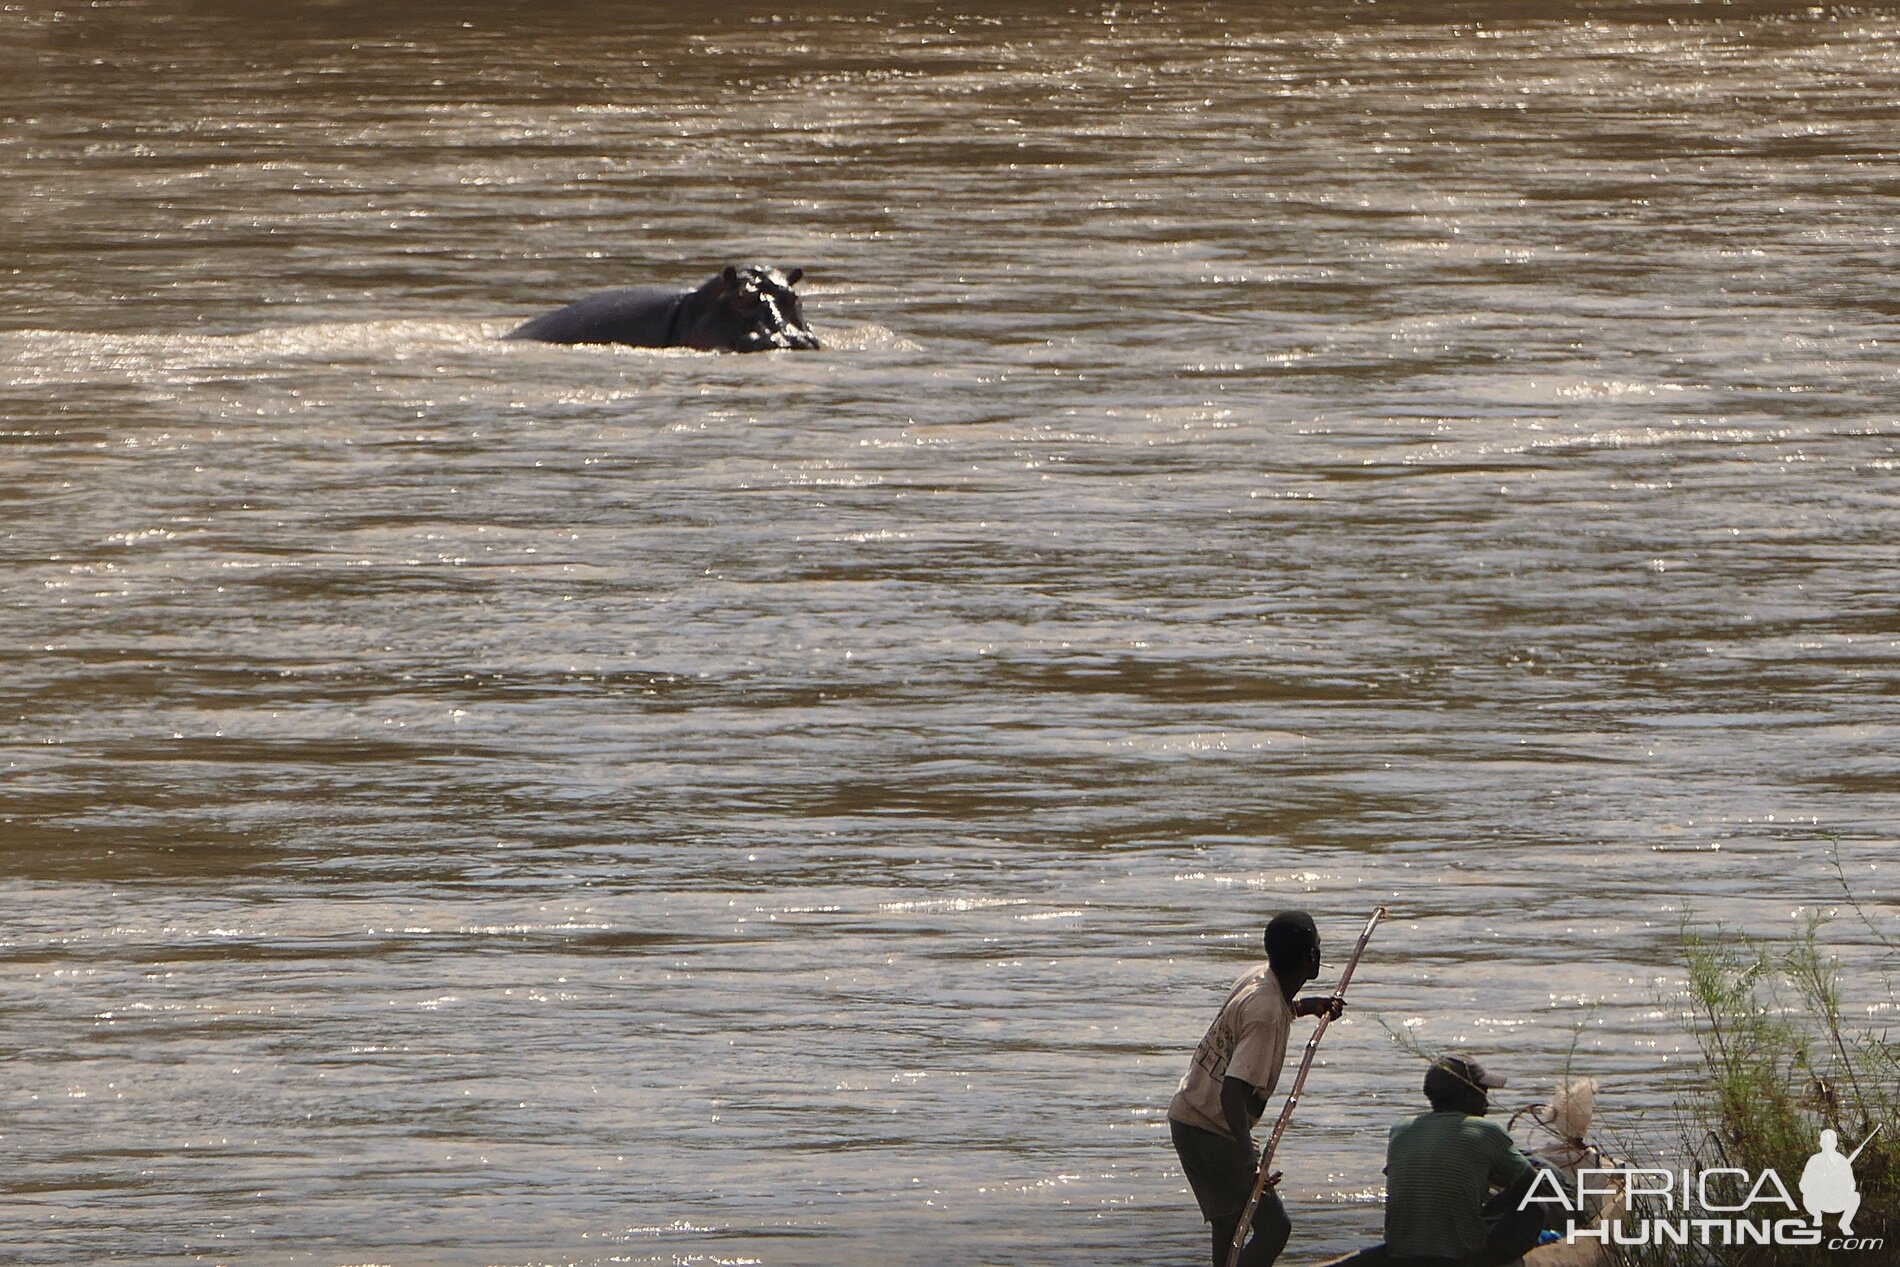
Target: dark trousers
(1222,1174)
(1513,1235)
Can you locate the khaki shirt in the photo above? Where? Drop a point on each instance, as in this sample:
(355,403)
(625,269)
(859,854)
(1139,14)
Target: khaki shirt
(1246,1041)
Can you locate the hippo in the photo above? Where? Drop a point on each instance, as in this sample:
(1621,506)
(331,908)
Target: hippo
(750,309)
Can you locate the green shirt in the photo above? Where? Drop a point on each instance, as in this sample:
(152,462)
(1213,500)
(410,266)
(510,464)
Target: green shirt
(1439,1167)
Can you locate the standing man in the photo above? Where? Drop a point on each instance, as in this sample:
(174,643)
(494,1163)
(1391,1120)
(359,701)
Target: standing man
(1442,1166)
(1230,1080)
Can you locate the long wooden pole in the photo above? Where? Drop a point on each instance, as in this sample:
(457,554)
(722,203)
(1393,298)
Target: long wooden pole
(1261,1181)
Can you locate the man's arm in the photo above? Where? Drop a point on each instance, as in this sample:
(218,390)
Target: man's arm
(1511,1196)
(1330,1006)
(1240,1105)
(1513,1173)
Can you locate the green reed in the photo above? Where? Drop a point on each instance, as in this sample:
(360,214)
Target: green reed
(1783,1058)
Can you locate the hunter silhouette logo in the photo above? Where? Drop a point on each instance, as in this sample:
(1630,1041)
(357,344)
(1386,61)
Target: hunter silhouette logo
(1827,1181)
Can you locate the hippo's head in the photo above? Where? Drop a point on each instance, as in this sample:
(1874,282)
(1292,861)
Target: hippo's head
(753,309)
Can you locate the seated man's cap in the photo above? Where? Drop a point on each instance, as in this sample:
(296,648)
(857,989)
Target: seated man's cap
(1449,1074)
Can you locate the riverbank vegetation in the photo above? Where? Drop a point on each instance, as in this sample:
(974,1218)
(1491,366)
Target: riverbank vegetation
(1784,1058)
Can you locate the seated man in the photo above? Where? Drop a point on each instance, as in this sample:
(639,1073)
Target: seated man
(1440,1167)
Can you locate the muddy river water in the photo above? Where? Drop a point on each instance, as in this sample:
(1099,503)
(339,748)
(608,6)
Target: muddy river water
(472,803)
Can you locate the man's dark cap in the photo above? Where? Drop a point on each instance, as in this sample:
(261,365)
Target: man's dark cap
(1451,1076)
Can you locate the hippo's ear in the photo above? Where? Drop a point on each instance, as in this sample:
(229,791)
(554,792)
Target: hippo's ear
(791,278)
(731,275)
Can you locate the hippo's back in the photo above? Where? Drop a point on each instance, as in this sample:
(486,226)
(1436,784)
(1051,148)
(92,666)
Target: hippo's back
(641,316)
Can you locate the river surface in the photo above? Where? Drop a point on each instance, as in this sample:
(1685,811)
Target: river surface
(476,803)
